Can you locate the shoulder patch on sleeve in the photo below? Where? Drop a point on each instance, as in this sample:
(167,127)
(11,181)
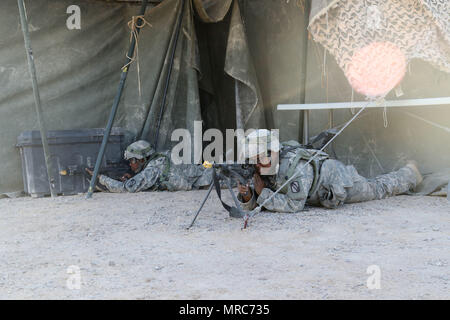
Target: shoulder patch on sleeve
(131,183)
(295,187)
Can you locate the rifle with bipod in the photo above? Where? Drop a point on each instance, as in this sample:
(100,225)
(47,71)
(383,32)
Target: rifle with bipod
(227,173)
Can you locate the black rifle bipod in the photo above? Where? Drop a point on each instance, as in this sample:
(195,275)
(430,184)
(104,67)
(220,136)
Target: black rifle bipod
(236,211)
(201,206)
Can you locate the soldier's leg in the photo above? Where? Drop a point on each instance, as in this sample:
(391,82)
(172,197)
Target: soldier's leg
(386,185)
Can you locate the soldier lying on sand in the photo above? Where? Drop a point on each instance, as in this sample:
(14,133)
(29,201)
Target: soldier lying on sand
(154,171)
(324,182)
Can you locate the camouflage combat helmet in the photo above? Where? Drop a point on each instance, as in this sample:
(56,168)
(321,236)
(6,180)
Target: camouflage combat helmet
(259,142)
(140,149)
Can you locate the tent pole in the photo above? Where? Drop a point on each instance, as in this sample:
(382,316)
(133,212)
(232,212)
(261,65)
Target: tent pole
(305,127)
(116,102)
(169,74)
(37,97)
(304,115)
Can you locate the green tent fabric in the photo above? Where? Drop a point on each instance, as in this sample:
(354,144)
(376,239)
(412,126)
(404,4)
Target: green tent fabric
(182,106)
(212,11)
(182,103)
(239,65)
(78,70)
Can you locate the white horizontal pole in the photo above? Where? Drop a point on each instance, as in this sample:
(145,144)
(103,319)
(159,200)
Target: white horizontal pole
(374,104)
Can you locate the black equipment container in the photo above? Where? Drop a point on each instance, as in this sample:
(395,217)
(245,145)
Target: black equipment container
(71,152)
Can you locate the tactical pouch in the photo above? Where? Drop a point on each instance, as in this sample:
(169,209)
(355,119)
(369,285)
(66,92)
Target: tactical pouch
(301,153)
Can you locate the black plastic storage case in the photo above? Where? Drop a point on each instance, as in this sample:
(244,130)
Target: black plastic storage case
(71,152)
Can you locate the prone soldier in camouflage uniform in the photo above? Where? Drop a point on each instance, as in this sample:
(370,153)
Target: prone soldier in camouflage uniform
(324,181)
(154,171)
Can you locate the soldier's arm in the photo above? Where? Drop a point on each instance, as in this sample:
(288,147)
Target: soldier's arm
(296,196)
(140,182)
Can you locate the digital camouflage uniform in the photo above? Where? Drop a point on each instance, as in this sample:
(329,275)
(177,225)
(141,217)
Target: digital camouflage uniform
(334,185)
(160,174)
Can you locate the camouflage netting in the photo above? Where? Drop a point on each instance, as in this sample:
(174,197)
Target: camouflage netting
(346,28)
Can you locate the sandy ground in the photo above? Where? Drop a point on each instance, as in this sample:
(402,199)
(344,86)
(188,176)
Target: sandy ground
(135,246)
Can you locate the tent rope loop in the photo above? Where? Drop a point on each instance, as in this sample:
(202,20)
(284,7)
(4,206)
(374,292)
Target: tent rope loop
(136,23)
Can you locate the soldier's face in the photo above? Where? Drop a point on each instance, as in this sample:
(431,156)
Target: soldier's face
(263,161)
(136,165)
(265,164)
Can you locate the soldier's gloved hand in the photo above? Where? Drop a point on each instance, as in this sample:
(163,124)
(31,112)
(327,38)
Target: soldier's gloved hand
(97,184)
(125,177)
(89,171)
(245,192)
(259,183)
